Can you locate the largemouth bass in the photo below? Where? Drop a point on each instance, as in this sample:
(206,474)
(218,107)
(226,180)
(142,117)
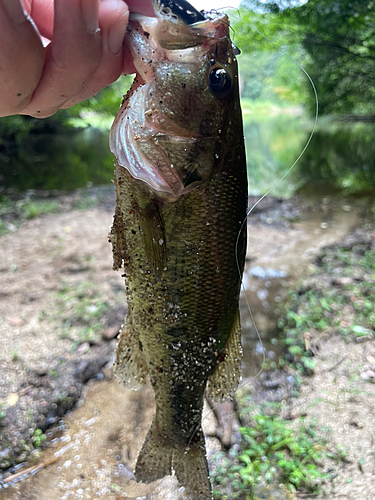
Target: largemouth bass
(181,190)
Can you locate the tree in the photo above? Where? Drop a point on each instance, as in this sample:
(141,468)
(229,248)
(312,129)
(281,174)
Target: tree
(339,38)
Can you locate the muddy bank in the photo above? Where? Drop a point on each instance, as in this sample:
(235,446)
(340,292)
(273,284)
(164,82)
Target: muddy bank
(61,305)
(333,317)
(43,398)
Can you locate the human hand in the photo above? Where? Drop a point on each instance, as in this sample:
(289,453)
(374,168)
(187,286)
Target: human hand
(85,51)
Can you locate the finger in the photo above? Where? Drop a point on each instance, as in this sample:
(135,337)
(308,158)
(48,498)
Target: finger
(143,7)
(71,58)
(21,58)
(113,20)
(41,11)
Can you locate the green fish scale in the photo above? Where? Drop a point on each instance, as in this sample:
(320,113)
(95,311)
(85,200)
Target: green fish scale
(183,316)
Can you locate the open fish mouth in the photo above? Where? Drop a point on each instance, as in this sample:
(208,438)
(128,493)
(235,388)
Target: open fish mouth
(160,134)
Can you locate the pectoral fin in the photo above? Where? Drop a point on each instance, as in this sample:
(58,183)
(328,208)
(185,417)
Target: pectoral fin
(153,236)
(116,237)
(223,382)
(130,364)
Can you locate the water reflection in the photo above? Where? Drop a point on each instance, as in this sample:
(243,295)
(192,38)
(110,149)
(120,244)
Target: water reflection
(273,143)
(340,157)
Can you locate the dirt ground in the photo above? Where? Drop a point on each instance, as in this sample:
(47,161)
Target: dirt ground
(53,264)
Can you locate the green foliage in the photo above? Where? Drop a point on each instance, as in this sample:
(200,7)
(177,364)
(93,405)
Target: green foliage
(226,479)
(343,304)
(38,438)
(336,43)
(273,451)
(340,38)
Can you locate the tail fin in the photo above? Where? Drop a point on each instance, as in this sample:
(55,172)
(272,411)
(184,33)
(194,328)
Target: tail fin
(155,459)
(190,464)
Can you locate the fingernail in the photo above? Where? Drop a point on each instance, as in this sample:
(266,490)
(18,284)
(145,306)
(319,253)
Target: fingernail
(90,12)
(116,34)
(14,10)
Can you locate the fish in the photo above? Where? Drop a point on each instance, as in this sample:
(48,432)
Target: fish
(178,232)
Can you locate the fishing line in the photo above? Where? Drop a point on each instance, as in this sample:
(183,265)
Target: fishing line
(281,178)
(269,190)
(250,210)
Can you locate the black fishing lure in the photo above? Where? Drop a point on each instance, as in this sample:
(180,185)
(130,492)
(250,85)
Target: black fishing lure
(179,11)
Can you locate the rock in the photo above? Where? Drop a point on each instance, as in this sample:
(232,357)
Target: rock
(15,321)
(111,332)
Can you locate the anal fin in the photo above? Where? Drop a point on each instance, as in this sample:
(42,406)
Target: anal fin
(223,382)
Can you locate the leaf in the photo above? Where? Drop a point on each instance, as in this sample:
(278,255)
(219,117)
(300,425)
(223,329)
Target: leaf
(362,331)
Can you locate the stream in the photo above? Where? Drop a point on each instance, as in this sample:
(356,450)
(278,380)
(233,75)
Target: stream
(92,452)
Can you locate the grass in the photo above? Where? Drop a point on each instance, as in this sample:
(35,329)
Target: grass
(81,311)
(274,451)
(12,213)
(38,438)
(338,298)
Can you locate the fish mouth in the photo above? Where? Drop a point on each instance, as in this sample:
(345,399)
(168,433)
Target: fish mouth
(153,165)
(142,136)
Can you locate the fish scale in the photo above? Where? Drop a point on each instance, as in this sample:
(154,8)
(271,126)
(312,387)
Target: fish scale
(176,241)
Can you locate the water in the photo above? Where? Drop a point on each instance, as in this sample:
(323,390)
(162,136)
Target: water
(277,257)
(340,157)
(272,145)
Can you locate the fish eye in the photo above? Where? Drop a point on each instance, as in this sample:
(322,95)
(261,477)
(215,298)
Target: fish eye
(220,82)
